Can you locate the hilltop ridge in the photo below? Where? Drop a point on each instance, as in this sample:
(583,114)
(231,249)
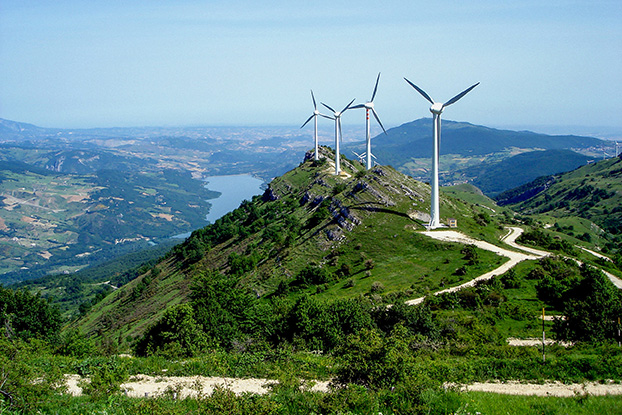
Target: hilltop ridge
(311,233)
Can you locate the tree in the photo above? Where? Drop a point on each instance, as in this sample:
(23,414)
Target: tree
(591,309)
(27,315)
(470,254)
(176,334)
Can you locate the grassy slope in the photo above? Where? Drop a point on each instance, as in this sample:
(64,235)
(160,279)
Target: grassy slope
(585,200)
(373,209)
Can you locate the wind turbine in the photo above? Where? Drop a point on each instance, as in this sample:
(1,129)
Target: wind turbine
(362,156)
(436,109)
(338,136)
(369,105)
(315,115)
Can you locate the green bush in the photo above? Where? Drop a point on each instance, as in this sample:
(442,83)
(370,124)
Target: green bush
(176,334)
(105,379)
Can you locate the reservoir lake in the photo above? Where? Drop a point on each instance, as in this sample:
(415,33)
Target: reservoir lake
(234,189)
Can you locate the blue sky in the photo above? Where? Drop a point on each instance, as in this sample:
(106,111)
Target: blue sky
(69,63)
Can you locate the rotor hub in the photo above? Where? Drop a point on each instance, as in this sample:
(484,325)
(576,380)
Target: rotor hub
(436,108)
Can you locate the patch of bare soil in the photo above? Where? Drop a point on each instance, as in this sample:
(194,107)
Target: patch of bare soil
(547,388)
(190,386)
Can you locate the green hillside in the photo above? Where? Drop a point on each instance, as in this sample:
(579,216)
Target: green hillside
(312,233)
(592,192)
(494,178)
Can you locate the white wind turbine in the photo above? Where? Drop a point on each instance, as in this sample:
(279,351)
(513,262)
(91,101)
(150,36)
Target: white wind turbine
(370,106)
(316,113)
(436,109)
(362,156)
(338,136)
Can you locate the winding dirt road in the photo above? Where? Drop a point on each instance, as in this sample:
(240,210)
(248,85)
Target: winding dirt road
(515,257)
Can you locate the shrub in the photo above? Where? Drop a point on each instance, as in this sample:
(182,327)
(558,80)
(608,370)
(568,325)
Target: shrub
(176,334)
(511,280)
(377,287)
(338,188)
(105,379)
(313,275)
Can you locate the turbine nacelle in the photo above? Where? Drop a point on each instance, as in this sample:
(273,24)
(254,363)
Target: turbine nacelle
(437,108)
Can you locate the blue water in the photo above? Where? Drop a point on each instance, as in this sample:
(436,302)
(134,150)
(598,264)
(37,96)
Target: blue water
(234,189)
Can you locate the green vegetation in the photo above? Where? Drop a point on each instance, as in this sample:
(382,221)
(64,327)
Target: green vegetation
(308,282)
(591,192)
(59,222)
(387,359)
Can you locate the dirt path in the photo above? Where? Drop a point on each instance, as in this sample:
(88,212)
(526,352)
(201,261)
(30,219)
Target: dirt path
(141,386)
(546,389)
(515,257)
(196,386)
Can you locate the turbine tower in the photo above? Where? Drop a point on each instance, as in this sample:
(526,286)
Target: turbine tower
(436,109)
(369,106)
(338,136)
(315,115)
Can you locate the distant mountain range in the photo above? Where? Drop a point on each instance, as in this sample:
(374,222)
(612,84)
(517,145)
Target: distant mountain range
(490,158)
(414,139)
(494,178)
(494,160)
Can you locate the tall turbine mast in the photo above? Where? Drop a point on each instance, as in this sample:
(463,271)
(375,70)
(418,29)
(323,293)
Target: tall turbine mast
(315,114)
(436,109)
(369,106)
(338,134)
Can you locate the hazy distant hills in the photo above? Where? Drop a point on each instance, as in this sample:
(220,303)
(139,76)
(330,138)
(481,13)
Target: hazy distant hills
(19,131)
(414,139)
(492,159)
(494,178)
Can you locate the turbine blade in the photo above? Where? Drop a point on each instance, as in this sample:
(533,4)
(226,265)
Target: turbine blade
(340,132)
(357,106)
(373,111)
(375,88)
(328,107)
(421,91)
(308,119)
(348,106)
(460,95)
(313,98)
(327,116)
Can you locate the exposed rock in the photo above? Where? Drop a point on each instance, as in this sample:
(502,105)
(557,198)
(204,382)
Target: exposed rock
(269,195)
